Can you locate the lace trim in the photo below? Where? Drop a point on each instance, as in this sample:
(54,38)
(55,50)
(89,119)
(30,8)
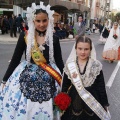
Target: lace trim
(92,71)
(36,84)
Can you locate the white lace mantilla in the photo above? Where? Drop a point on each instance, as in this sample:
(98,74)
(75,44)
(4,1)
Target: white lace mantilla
(92,71)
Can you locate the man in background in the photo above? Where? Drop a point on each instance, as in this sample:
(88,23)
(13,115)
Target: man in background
(79,27)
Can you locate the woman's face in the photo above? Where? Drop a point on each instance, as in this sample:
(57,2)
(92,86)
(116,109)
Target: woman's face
(80,19)
(83,50)
(115,26)
(41,21)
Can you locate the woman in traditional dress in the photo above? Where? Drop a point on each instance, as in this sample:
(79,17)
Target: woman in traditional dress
(111,51)
(84,82)
(28,87)
(105,32)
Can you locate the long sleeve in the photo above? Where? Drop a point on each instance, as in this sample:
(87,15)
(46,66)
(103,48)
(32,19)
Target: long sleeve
(66,83)
(82,32)
(18,52)
(58,54)
(100,87)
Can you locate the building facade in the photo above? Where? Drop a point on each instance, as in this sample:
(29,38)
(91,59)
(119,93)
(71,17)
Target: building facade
(100,9)
(65,10)
(6,7)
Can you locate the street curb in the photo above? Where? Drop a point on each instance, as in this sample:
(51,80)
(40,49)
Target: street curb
(14,41)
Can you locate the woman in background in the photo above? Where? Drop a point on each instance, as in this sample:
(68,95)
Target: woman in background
(105,32)
(111,51)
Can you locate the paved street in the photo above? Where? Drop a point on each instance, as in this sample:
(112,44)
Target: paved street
(7,46)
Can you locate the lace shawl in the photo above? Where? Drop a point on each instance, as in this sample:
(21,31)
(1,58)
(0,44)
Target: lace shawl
(92,71)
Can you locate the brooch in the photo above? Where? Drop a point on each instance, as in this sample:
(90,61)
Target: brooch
(74,75)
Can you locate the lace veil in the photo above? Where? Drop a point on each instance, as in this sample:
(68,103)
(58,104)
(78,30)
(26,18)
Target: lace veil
(31,32)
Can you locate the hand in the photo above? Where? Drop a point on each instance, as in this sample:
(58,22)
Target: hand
(76,36)
(106,108)
(2,85)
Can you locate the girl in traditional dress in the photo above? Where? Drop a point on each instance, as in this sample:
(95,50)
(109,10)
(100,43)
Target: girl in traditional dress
(105,32)
(111,51)
(28,88)
(84,82)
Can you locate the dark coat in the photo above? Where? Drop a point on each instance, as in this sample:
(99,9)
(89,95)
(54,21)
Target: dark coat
(12,22)
(78,106)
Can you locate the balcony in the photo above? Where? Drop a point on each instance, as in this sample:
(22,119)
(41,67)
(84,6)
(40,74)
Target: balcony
(72,0)
(97,4)
(80,1)
(108,1)
(8,2)
(102,7)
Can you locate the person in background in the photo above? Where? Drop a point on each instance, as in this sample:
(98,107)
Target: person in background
(111,51)
(0,21)
(6,23)
(79,27)
(24,27)
(100,27)
(3,25)
(105,32)
(93,27)
(13,26)
(63,31)
(19,21)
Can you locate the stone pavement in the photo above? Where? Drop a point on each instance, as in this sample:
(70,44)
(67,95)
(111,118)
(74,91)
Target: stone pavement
(7,38)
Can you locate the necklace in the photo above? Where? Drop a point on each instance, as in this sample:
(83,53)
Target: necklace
(41,34)
(82,65)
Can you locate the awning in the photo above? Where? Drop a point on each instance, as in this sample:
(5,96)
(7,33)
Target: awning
(83,8)
(55,13)
(66,4)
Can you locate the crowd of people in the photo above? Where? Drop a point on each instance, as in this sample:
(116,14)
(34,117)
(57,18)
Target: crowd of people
(12,24)
(29,87)
(110,37)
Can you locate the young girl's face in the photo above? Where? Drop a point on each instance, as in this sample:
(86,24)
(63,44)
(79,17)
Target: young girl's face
(115,26)
(41,21)
(83,50)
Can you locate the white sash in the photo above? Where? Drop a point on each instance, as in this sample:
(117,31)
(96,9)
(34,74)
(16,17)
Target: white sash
(84,94)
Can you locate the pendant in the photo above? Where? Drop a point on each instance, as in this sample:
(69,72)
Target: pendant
(41,47)
(41,34)
(35,54)
(74,75)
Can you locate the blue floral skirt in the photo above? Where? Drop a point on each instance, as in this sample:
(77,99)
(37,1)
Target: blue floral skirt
(28,94)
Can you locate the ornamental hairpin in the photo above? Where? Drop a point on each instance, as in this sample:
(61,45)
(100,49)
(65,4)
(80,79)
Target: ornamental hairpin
(31,11)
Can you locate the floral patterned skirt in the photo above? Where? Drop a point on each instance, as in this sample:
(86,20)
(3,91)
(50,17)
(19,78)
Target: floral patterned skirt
(16,104)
